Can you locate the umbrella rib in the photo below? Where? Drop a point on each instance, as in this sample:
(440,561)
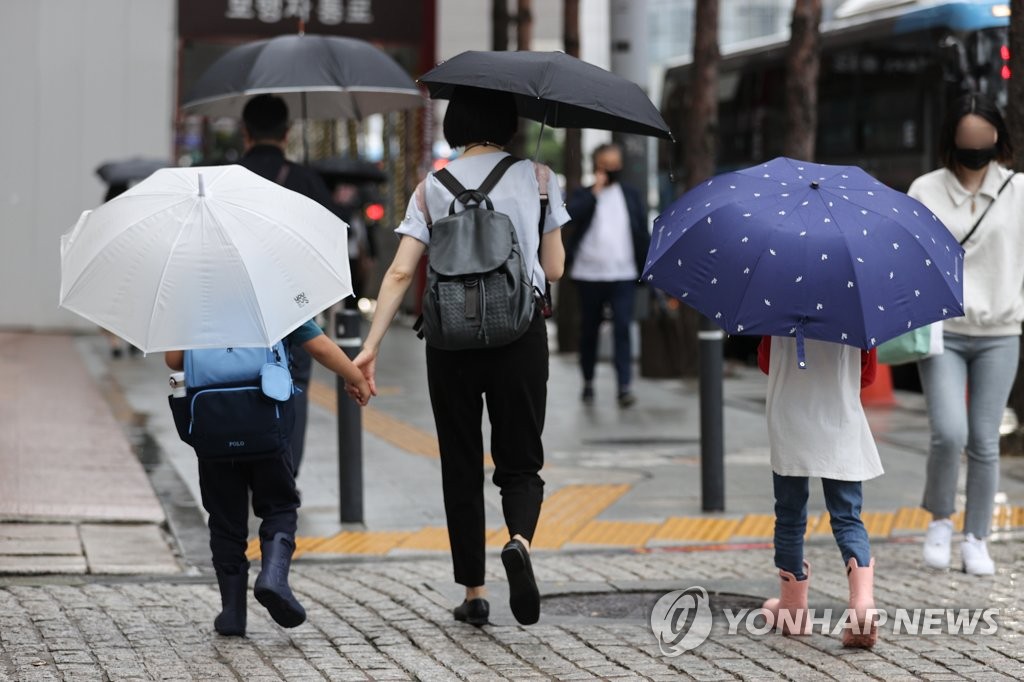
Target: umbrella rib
(248,278)
(296,234)
(853,270)
(89,266)
(163,273)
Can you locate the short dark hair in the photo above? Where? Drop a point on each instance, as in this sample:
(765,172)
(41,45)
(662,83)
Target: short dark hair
(478,115)
(982,106)
(266,117)
(602,148)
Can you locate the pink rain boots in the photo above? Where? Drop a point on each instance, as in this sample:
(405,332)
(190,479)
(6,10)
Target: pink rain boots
(789,611)
(862,632)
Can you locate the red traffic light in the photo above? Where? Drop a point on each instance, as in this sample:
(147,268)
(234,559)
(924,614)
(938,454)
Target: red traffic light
(375,211)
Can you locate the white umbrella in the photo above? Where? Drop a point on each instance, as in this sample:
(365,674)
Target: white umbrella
(204,257)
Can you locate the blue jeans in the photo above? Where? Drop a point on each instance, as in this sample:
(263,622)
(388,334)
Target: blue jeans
(594,296)
(983,367)
(843,499)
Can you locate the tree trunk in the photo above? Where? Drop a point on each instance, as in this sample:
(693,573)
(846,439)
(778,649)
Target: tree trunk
(802,66)
(573,161)
(524,25)
(1015,122)
(702,117)
(521,146)
(499,25)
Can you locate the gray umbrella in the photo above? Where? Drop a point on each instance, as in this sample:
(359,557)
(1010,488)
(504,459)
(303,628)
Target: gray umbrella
(320,77)
(553,88)
(129,170)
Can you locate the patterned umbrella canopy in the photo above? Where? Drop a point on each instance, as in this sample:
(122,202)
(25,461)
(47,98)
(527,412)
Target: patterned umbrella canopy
(790,248)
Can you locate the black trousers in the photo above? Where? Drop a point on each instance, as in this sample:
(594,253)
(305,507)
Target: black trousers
(225,490)
(513,381)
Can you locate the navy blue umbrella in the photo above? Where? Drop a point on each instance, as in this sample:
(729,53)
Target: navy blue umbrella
(790,248)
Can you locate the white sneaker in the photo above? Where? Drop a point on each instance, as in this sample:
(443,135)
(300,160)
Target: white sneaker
(936,544)
(975,556)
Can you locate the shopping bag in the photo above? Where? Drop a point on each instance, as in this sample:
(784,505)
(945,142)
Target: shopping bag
(918,344)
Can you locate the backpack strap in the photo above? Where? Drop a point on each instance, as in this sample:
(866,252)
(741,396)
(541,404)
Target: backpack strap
(479,195)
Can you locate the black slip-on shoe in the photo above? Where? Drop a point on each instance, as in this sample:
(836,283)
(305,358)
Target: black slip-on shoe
(473,611)
(524,598)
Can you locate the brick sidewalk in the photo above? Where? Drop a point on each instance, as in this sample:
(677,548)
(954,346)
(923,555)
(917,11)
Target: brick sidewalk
(390,620)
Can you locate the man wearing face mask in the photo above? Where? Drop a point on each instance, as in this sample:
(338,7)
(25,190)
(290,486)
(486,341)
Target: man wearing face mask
(981,202)
(605,257)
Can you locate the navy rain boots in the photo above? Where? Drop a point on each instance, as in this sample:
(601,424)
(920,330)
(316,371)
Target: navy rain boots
(272,590)
(233,588)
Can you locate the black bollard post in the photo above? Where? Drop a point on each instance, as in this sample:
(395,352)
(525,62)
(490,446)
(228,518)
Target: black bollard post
(712,437)
(347,332)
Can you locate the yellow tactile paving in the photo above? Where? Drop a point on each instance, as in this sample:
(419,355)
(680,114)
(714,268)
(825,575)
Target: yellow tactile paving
(431,538)
(878,524)
(911,518)
(755,526)
(569,518)
(566,512)
(818,525)
(680,528)
(395,431)
(361,542)
(302,546)
(614,533)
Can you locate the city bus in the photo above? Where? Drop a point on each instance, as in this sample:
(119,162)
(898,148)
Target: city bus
(887,70)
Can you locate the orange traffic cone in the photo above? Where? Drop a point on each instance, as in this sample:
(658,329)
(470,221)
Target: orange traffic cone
(879,394)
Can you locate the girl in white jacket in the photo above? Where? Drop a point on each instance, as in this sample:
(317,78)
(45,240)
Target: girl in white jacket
(817,427)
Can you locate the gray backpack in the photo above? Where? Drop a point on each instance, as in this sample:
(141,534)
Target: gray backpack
(479,292)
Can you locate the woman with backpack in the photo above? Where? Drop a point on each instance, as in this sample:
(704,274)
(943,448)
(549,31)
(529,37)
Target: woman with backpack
(476,354)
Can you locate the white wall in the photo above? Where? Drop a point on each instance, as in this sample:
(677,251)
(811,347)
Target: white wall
(83,82)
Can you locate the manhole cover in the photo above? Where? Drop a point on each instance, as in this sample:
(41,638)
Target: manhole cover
(633,605)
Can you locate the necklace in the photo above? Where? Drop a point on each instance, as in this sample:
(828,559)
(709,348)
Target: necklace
(483,144)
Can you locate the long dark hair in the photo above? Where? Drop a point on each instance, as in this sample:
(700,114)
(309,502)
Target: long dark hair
(982,106)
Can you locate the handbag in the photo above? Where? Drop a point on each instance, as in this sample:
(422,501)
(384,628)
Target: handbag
(918,344)
(926,342)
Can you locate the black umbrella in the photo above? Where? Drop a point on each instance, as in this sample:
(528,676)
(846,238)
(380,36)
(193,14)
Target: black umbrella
(348,169)
(320,77)
(553,88)
(129,170)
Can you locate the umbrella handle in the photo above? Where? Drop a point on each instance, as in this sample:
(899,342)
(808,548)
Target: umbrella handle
(543,122)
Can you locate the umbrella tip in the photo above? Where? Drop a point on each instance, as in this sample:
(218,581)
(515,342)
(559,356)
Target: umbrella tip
(202,186)
(814,184)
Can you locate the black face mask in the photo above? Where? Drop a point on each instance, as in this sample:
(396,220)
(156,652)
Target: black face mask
(613,175)
(974,159)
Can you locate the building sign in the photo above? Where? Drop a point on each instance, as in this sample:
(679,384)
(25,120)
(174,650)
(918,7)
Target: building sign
(388,21)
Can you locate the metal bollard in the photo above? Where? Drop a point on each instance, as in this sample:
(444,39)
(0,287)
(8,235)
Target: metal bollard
(711,343)
(347,332)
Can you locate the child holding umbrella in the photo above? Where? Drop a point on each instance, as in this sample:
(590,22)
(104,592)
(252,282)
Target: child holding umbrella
(817,427)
